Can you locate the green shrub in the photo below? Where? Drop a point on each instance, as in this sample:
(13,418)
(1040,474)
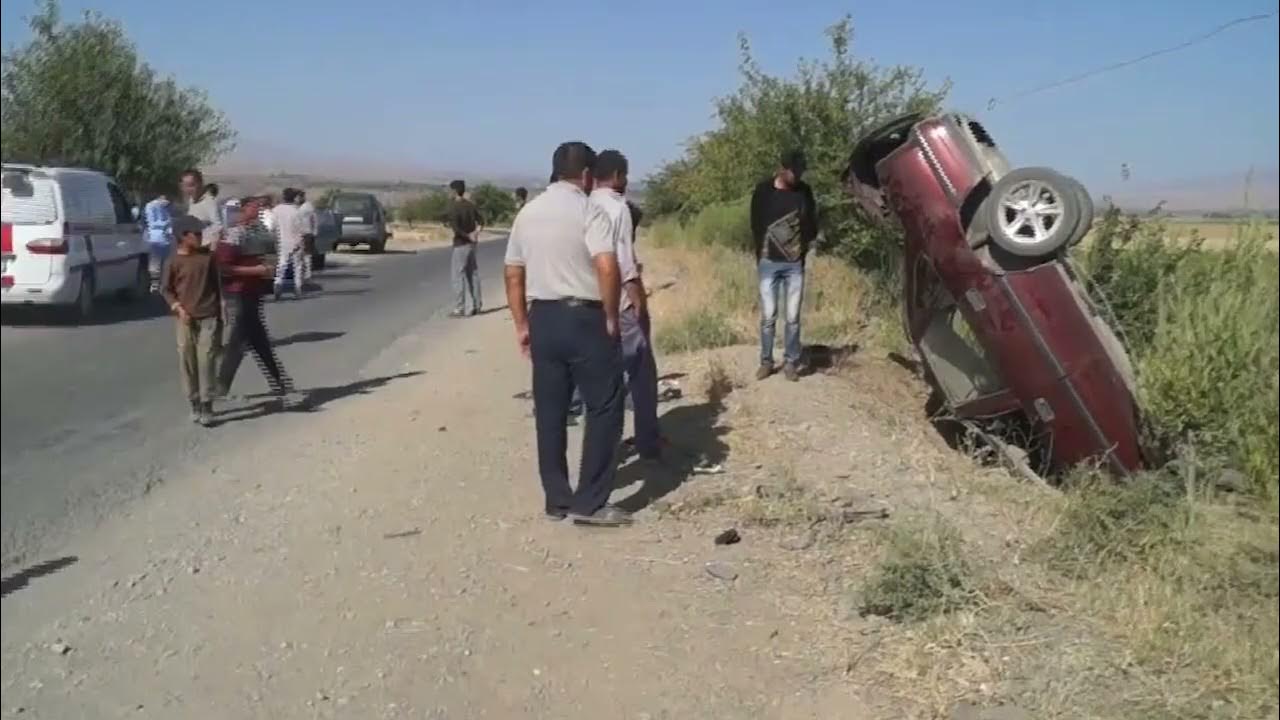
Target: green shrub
(725,224)
(698,330)
(1201,325)
(923,573)
(1210,371)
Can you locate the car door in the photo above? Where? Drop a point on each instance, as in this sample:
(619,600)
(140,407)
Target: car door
(129,245)
(82,224)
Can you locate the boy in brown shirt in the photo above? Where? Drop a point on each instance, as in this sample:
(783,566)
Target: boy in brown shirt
(192,288)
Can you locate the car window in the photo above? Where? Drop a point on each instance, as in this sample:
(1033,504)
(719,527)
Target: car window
(28,200)
(121,206)
(352,205)
(956,359)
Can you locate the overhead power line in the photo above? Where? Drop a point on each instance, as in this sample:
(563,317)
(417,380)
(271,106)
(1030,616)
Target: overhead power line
(993,102)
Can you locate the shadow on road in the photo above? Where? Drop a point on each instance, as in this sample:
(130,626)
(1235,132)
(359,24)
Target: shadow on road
(343,275)
(388,251)
(700,448)
(316,398)
(107,312)
(19,580)
(306,337)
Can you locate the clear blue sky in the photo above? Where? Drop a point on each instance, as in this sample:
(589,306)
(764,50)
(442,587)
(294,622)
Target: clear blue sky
(493,86)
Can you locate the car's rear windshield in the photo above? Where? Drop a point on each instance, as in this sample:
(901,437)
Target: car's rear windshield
(28,200)
(353,204)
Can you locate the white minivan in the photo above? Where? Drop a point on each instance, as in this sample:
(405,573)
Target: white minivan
(69,238)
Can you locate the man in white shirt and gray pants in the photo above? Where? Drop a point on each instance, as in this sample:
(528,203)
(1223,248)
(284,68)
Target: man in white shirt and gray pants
(563,289)
(292,249)
(633,310)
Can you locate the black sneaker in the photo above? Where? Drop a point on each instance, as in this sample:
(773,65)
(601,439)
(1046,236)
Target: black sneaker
(791,371)
(195,413)
(206,415)
(555,514)
(607,516)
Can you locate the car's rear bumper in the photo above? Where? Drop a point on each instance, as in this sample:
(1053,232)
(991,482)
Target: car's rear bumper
(360,234)
(58,290)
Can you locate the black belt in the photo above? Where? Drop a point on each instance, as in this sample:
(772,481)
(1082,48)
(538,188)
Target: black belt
(573,302)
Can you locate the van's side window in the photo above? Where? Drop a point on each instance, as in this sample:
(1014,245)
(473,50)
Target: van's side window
(124,215)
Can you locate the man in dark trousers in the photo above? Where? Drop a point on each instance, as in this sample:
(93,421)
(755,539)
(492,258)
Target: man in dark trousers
(465,222)
(245,278)
(784,222)
(561,262)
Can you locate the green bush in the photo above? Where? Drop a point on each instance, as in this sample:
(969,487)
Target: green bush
(699,330)
(1202,327)
(724,224)
(496,205)
(923,573)
(428,207)
(1209,374)
(819,108)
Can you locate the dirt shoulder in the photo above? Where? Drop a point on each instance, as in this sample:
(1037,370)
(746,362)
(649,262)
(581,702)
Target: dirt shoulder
(387,558)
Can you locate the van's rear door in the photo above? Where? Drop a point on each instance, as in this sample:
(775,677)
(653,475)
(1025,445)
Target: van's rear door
(33,235)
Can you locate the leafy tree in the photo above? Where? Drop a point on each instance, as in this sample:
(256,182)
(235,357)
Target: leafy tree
(821,108)
(78,94)
(495,204)
(429,207)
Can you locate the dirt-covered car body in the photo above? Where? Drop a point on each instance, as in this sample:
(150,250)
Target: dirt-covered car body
(1002,325)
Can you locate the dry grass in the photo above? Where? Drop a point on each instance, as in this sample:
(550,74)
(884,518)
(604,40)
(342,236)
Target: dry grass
(713,298)
(408,237)
(1156,599)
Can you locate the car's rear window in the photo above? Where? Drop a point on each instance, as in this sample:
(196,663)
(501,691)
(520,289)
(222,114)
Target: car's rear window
(28,200)
(352,204)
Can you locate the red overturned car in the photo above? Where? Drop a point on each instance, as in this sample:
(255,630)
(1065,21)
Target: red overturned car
(1004,328)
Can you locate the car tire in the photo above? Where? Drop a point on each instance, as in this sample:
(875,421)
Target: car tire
(86,300)
(1085,222)
(318,261)
(141,286)
(1033,212)
(377,247)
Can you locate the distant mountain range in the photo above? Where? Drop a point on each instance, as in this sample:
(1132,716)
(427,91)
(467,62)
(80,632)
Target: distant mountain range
(274,167)
(1220,193)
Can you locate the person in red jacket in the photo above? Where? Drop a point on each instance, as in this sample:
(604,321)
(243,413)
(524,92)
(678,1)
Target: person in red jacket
(245,279)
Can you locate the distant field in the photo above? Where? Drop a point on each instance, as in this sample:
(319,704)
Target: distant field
(1217,233)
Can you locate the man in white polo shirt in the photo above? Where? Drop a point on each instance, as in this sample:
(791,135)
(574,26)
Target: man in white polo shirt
(563,288)
(633,311)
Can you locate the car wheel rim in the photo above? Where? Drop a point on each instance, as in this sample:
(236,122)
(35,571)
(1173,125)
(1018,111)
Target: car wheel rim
(1030,212)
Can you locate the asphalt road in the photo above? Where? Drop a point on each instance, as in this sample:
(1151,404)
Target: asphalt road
(92,416)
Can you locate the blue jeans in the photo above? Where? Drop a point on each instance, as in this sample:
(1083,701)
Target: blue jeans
(776,276)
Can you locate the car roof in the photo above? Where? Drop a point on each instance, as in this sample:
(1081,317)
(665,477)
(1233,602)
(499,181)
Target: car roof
(39,170)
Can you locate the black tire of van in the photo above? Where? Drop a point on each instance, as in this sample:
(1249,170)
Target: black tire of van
(378,246)
(85,301)
(141,287)
(318,261)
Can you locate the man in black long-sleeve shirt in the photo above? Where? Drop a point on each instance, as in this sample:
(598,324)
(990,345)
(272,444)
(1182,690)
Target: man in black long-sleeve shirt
(784,222)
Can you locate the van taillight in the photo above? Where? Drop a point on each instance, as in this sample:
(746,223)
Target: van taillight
(48,246)
(6,239)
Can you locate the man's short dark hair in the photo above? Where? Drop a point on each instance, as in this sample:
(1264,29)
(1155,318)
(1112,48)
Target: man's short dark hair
(522,193)
(193,173)
(289,195)
(458,187)
(794,160)
(571,159)
(609,164)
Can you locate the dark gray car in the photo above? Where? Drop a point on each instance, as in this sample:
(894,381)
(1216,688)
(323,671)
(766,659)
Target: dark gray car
(361,220)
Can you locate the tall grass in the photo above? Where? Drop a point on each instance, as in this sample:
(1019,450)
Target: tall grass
(1202,326)
(714,249)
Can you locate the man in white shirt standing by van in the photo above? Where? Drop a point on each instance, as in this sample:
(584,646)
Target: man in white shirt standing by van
(202,205)
(289,232)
